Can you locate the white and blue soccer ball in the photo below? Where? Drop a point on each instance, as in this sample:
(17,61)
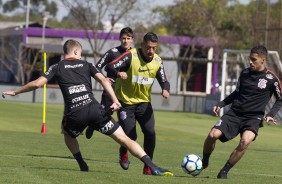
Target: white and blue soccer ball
(192,164)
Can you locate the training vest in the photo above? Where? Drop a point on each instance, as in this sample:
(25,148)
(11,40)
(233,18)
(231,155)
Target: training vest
(138,86)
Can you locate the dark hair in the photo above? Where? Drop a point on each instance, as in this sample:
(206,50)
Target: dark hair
(150,37)
(126,31)
(260,50)
(70,45)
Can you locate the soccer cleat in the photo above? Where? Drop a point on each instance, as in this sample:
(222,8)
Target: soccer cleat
(89,132)
(147,171)
(222,175)
(161,172)
(124,162)
(84,167)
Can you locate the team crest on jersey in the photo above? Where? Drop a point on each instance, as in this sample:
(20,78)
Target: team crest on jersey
(262,83)
(158,59)
(123,115)
(114,49)
(269,76)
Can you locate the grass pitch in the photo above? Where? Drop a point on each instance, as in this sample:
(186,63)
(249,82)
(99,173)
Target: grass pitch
(27,156)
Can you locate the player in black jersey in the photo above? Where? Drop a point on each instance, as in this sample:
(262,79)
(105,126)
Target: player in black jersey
(126,39)
(255,87)
(81,108)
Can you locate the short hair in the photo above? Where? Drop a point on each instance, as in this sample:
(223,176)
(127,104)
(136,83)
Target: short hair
(126,31)
(150,36)
(70,45)
(260,50)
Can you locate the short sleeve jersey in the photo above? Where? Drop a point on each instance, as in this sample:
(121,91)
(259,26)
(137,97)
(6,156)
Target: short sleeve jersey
(74,79)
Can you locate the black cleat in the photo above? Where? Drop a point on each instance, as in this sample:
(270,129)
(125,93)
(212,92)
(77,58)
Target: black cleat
(147,171)
(222,175)
(124,162)
(84,167)
(161,172)
(89,132)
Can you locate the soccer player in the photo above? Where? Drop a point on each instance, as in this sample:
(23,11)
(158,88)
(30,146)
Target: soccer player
(254,89)
(136,71)
(126,40)
(81,108)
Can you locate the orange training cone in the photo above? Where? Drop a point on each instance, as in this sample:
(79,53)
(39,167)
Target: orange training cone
(43,128)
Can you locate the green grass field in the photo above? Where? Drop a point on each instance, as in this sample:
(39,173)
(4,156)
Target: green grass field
(27,156)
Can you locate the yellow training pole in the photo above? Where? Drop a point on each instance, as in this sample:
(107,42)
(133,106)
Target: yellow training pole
(43,128)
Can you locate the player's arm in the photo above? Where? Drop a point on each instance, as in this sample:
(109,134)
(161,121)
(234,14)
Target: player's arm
(104,60)
(162,79)
(276,90)
(107,86)
(118,66)
(28,87)
(33,85)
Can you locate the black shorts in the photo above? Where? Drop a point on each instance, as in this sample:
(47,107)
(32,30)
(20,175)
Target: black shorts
(106,100)
(143,113)
(231,125)
(92,115)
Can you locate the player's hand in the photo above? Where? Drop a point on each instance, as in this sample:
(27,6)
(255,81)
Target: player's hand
(122,75)
(165,94)
(216,110)
(11,93)
(270,120)
(115,106)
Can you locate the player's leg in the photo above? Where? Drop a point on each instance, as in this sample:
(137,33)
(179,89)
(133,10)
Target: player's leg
(73,146)
(209,145)
(136,150)
(126,117)
(72,127)
(145,117)
(106,102)
(247,137)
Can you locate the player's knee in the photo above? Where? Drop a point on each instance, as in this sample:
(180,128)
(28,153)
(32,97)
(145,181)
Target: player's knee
(213,135)
(244,143)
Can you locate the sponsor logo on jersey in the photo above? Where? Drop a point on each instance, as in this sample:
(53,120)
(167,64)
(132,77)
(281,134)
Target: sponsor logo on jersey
(277,89)
(50,69)
(269,76)
(74,66)
(77,89)
(262,83)
(122,115)
(107,127)
(80,98)
(143,70)
(102,60)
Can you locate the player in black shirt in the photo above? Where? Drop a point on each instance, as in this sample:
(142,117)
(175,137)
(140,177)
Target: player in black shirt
(255,87)
(126,39)
(81,108)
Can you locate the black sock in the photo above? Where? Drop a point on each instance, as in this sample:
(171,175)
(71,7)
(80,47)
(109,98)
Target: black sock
(148,162)
(226,167)
(206,157)
(82,164)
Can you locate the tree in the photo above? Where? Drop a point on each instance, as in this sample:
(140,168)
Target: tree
(90,14)
(226,22)
(36,7)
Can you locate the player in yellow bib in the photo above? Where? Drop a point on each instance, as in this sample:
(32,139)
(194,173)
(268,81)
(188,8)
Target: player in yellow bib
(136,71)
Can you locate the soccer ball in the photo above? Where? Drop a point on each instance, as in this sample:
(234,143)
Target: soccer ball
(192,164)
